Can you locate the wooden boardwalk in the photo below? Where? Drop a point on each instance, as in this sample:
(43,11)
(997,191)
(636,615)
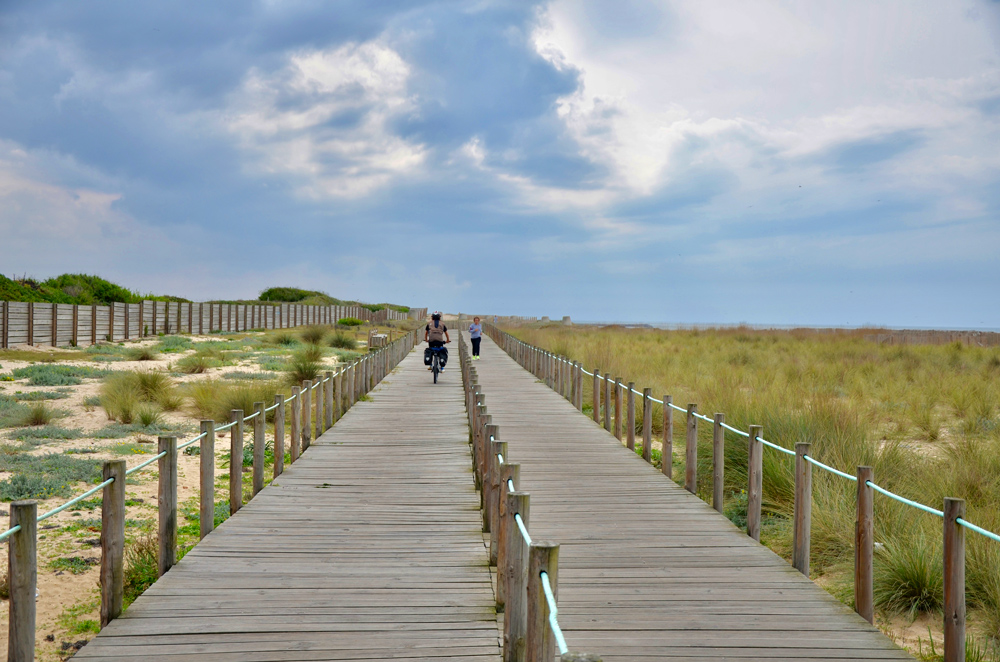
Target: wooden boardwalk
(648,571)
(369,547)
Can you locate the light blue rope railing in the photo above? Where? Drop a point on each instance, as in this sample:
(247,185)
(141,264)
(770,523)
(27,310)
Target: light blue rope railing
(978,529)
(524,529)
(819,464)
(891,495)
(553,614)
(75,501)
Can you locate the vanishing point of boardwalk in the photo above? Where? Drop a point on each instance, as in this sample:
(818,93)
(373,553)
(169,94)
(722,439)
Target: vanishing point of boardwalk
(369,547)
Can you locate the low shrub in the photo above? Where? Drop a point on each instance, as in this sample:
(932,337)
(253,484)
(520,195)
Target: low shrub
(120,431)
(22,486)
(141,566)
(349,321)
(314,334)
(909,576)
(250,376)
(38,413)
(124,392)
(141,354)
(343,340)
(57,375)
(47,432)
(148,414)
(304,365)
(215,399)
(196,364)
(171,344)
(285,338)
(74,564)
(41,395)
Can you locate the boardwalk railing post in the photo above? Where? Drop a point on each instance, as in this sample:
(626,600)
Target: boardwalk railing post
(259,443)
(306,414)
(498,448)
(328,409)
(320,402)
(296,423)
(607,403)
(515,620)
(112,541)
(691,451)
(667,463)
(864,545)
(540,640)
(579,386)
(802,515)
(755,481)
(338,395)
(618,408)
(206,457)
(22,569)
(166,498)
(630,413)
(647,424)
(954,581)
(279,435)
(509,472)
(236,461)
(597,396)
(718,462)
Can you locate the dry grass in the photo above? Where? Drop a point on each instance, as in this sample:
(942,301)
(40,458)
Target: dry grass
(924,417)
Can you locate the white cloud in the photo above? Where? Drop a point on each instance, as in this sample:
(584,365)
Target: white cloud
(324,120)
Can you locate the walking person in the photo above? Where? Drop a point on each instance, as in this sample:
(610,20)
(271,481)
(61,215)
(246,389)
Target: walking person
(476,333)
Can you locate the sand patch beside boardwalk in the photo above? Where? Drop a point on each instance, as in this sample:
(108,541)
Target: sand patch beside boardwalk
(70,534)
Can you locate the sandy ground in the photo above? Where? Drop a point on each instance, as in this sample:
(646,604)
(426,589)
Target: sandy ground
(60,590)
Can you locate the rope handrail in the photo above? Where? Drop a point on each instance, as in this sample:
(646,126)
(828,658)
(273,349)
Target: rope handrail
(510,485)
(812,460)
(524,529)
(73,502)
(892,495)
(146,463)
(225,427)
(977,529)
(192,441)
(250,417)
(272,407)
(553,614)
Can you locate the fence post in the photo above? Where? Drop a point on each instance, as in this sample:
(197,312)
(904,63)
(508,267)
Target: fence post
(630,414)
(579,386)
(259,442)
(755,481)
(954,581)
(864,544)
(306,414)
(647,424)
(206,510)
(167,503)
(718,462)
(618,408)
(296,424)
(328,410)
(597,396)
(338,395)
(667,462)
(320,402)
(22,568)
(802,515)
(496,491)
(515,620)
(541,642)
(112,541)
(509,472)
(607,403)
(236,461)
(279,435)
(691,451)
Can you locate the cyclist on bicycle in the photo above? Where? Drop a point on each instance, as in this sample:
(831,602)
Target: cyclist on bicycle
(436,335)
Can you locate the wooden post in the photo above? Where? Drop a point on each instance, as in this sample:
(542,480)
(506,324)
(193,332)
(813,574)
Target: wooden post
(954,581)
(76,325)
(691,451)
(512,473)
(328,393)
(206,510)
(5,340)
(802,513)
(496,491)
(296,424)
(259,443)
(112,541)
(630,424)
(667,461)
(31,321)
(618,408)
(579,386)
(515,620)
(864,547)
(22,575)
(338,396)
(55,324)
(320,404)
(647,424)
(166,498)
(306,414)
(279,435)
(597,396)
(718,462)
(540,641)
(607,403)
(236,462)
(755,481)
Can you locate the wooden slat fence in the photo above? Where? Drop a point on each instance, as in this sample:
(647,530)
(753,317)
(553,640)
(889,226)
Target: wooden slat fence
(61,325)
(311,410)
(566,378)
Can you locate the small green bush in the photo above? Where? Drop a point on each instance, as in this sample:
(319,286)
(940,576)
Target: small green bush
(343,340)
(286,338)
(57,375)
(141,354)
(47,432)
(215,399)
(170,344)
(120,431)
(314,335)
(304,365)
(141,567)
(196,364)
(74,564)
(38,413)
(909,577)
(250,376)
(123,393)
(148,414)
(349,321)
(23,486)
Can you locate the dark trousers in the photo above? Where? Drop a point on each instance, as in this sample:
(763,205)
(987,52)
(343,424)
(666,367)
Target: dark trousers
(475,346)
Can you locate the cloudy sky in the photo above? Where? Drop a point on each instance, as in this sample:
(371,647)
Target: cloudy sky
(742,161)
